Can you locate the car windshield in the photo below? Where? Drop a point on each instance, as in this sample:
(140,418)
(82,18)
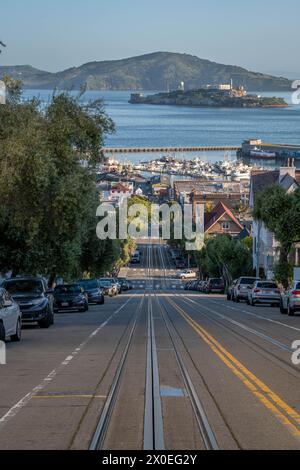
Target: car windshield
(216,281)
(21,286)
(72,289)
(105,283)
(248,280)
(90,284)
(298,286)
(267,285)
(109,281)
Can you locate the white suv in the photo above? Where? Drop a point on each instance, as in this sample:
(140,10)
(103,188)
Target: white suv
(10,318)
(290,300)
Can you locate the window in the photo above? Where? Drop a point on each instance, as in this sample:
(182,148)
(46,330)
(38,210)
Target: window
(225,225)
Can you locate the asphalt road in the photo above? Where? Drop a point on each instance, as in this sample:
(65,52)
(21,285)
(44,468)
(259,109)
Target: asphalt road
(156,368)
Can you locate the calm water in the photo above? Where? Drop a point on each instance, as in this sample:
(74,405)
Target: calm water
(146,125)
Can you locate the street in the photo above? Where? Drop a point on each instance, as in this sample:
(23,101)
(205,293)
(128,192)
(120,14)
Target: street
(156,368)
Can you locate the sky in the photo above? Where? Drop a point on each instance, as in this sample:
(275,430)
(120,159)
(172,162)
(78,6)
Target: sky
(57,34)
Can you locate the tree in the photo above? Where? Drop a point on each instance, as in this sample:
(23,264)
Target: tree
(280,213)
(47,183)
(226,257)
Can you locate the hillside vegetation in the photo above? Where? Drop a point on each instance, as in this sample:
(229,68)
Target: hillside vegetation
(156,71)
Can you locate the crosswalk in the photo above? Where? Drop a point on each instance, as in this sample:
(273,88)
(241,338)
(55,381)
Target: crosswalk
(170,283)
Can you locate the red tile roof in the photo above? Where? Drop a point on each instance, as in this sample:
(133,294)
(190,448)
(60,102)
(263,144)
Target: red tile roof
(212,218)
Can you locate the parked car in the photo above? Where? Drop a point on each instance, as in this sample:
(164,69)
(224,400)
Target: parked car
(34,299)
(124,284)
(111,282)
(107,287)
(93,290)
(264,292)
(187,274)
(231,290)
(180,263)
(290,300)
(130,285)
(175,254)
(215,286)
(136,258)
(10,318)
(117,284)
(187,285)
(201,285)
(70,297)
(240,291)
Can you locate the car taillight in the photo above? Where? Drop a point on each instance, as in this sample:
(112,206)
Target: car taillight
(296,292)
(257,291)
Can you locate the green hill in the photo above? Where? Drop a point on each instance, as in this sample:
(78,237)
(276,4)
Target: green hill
(155,71)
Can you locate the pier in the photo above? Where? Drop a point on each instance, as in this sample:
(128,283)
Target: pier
(118,150)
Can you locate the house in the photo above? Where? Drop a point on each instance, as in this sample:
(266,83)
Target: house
(203,191)
(265,246)
(221,221)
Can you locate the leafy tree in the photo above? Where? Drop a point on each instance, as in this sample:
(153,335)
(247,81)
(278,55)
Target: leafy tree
(226,257)
(47,183)
(280,213)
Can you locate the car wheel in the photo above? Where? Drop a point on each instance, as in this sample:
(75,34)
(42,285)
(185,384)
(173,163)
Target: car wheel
(46,322)
(237,300)
(248,302)
(18,335)
(2,332)
(283,310)
(291,311)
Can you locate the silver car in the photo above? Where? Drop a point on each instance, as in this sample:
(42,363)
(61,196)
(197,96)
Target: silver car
(290,300)
(10,318)
(264,292)
(241,289)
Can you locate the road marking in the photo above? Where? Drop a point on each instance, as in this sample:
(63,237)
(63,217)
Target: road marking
(253,383)
(245,327)
(47,397)
(257,316)
(12,412)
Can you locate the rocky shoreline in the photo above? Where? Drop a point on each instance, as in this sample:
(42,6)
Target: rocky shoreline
(204,98)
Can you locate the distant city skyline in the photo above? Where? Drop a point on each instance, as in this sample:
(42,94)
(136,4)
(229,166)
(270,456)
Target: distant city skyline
(54,36)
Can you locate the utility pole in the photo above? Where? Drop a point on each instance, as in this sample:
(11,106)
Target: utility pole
(258,249)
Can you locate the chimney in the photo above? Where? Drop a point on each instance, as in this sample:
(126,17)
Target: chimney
(290,169)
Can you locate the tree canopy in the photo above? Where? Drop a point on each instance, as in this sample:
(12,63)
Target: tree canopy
(280,213)
(47,184)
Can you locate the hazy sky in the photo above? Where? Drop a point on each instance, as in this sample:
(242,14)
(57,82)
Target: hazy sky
(56,34)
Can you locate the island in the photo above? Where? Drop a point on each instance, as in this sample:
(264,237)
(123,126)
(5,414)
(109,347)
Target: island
(220,97)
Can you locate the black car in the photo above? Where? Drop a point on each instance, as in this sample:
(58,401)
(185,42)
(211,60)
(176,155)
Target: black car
(124,284)
(34,298)
(69,297)
(93,290)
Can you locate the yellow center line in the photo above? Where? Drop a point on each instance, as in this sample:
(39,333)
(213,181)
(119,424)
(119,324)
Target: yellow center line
(253,383)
